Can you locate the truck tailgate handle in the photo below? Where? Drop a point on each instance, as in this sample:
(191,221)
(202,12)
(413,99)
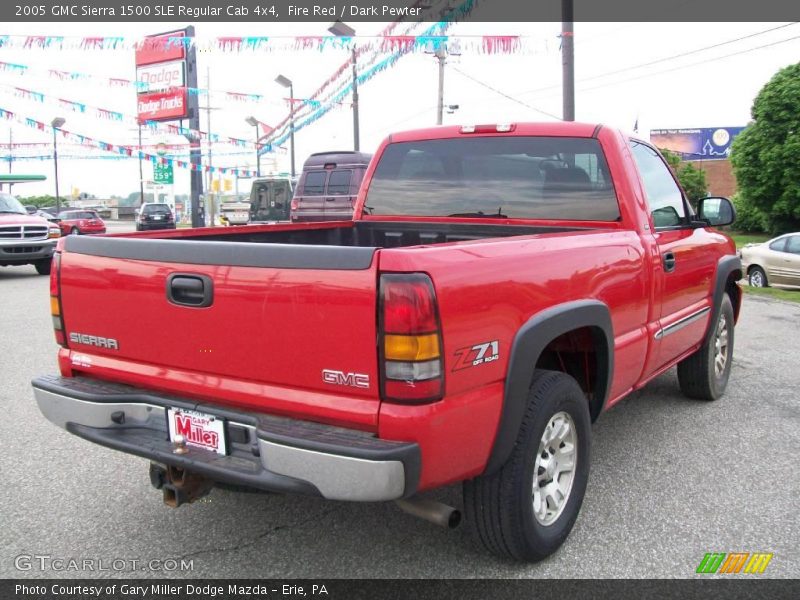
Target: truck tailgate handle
(192,290)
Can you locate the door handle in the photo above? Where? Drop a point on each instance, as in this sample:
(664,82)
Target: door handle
(329,199)
(668,259)
(192,290)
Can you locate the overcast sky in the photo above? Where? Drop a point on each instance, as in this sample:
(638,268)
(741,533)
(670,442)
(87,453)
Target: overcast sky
(701,89)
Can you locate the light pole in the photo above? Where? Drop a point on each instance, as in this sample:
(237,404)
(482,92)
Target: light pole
(254,122)
(340,29)
(286,82)
(56,124)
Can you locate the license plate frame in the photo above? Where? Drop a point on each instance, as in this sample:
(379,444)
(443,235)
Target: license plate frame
(200,430)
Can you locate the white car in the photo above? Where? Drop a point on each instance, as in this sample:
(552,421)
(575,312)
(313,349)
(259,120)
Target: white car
(774,262)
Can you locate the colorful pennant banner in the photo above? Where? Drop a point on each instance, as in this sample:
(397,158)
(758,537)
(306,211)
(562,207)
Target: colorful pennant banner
(127,151)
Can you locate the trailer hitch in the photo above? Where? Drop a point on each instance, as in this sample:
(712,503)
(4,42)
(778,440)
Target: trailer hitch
(179,485)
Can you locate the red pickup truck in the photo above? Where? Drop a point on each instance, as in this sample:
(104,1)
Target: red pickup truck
(500,287)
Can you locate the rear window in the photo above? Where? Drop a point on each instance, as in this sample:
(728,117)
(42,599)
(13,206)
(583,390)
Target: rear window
(339,182)
(78,214)
(315,183)
(505,177)
(155,209)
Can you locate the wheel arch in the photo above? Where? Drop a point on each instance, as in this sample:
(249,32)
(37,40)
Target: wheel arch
(729,272)
(530,343)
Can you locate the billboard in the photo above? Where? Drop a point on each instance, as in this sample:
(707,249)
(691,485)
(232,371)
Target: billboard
(707,143)
(161,77)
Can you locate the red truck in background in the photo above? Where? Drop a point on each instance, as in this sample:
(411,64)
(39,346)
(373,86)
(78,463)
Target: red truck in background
(500,287)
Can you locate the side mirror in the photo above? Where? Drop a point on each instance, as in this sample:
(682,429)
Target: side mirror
(716,210)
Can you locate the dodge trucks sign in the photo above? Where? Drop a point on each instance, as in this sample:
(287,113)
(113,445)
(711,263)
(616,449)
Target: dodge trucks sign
(159,106)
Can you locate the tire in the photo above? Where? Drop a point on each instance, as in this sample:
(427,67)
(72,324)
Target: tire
(499,508)
(43,266)
(757,277)
(75,231)
(700,376)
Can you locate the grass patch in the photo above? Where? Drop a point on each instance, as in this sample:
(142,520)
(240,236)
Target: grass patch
(748,238)
(776,293)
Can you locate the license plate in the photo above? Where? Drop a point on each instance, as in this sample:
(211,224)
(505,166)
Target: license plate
(198,429)
(158,217)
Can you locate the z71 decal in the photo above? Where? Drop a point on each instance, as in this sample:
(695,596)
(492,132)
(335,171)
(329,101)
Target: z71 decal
(478,354)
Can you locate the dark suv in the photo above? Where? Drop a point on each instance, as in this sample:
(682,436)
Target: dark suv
(155,215)
(329,185)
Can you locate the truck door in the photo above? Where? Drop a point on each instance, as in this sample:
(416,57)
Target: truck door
(683,275)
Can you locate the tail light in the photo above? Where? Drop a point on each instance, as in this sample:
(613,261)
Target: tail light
(294,204)
(410,340)
(55,301)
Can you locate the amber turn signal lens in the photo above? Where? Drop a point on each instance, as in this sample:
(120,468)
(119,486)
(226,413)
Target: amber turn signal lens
(411,347)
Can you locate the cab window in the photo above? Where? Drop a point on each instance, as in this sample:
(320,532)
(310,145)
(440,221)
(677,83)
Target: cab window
(664,196)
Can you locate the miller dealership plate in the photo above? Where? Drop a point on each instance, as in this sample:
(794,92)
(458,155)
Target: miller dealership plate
(199,430)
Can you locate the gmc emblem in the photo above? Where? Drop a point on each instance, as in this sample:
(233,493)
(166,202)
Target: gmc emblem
(358,380)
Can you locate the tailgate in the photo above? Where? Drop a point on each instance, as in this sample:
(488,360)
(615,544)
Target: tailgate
(281,319)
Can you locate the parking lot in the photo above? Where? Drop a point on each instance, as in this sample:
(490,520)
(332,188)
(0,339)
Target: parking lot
(671,480)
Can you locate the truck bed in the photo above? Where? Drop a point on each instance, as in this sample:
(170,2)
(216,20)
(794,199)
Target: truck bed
(339,245)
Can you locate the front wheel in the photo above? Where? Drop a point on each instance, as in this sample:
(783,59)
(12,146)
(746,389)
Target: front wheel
(43,266)
(757,277)
(704,375)
(528,507)
(75,231)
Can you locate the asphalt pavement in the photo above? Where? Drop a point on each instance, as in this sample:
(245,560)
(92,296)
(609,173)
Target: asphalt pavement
(671,480)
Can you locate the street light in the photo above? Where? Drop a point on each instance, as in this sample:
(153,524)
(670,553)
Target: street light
(254,122)
(56,124)
(340,29)
(286,82)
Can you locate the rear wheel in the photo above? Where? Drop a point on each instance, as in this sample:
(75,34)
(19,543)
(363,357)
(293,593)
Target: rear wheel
(704,375)
(528,507)
(757,277)
(43,266)
(75,231)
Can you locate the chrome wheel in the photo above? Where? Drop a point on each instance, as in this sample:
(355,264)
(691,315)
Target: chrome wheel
(554,469)
(721,346)
(756,279)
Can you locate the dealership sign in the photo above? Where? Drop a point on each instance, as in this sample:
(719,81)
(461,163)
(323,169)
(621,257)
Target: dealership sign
(161,76)
(161,48)
(162,106)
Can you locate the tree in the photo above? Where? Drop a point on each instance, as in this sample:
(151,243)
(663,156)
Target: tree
(692,179)
(765,155)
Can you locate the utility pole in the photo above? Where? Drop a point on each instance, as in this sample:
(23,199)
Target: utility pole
(196,175)
(141,172)
(441,56)
(356,144)
(568,60)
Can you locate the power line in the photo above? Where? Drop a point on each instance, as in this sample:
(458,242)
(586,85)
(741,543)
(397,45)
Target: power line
(702,62)
(501,93)
(665,59)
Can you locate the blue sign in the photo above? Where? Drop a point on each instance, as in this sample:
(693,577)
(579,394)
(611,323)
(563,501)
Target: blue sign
(708,143)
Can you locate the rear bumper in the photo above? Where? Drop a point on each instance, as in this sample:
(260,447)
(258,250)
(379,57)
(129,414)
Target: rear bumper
(155,225)
(264,452)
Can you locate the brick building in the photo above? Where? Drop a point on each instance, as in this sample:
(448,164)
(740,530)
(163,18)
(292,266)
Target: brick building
(719,176)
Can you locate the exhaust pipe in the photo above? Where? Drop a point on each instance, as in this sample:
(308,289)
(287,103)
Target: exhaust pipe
(436,512)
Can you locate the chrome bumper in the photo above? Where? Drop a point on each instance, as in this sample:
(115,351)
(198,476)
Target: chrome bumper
(268,452)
